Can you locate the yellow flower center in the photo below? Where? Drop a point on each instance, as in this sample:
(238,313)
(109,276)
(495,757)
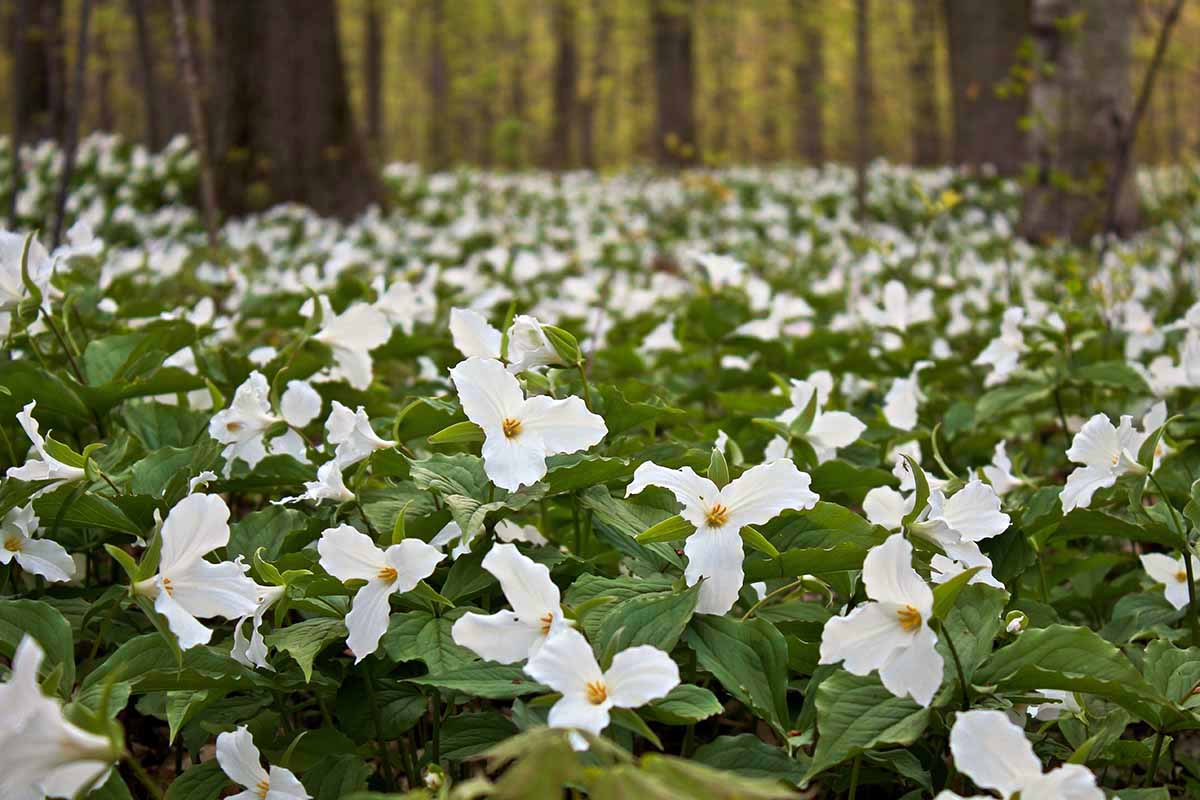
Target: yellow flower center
(597,692)
(387,574)
(167,587)
(717,515)
(234,427)
(12,544)
(262,788)
(547,621)
(1181,576)
(910,618)
(511,427)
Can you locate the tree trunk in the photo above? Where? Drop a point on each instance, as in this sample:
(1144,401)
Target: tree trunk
(373,80)
(674,82)
(147,73)
(927,126)
(1080,104)
(106,121)
(39,94)
(863,91)
(809,70)
(283,126)
(602,20)
(439,88)
(566,77)
(984,37)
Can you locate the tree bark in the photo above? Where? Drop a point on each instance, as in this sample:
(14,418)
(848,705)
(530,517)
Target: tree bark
(863,93)
(147,73)
(927,125)
(984,37)
(809,71)
(439,88)
(674,82)
(39,94)
(565,82)
(283,127)
(70,134)
(373,79)
(1081,106)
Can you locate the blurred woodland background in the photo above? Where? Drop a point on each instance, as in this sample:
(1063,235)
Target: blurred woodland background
(1052,89)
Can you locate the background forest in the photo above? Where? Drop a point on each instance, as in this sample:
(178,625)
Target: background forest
(569,83)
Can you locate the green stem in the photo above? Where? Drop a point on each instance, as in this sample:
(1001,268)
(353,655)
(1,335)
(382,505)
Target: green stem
(587,390)
(854,776)
(437,728)
(962,678)
(1186,548)
(578,528)
(143,777)
(769,595)
(385,755)
(1158,743)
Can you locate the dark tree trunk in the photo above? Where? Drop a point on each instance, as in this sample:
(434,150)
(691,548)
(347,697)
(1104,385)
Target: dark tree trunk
(1080,105)
(674,81)
(984,37)
(927,124)
(723,24)
(597,83)
(809,71)
(863,92)
(39,95)
(147,73)
(566,78)
(439,88)
(70,135)
(373,79)
(283,127)
(106,121)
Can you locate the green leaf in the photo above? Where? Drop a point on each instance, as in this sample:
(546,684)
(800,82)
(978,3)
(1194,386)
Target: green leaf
(458,433)
(564,343)
(334,777)
(628,719)
(751,757)
(1115,374)
(945,594)
(669,530)
(305,640)
(85,511)
(856,714)
(420,636)
(684,705)
(921,498)
(48,627)
(718,469)
(807,561)
(1145,454)
(749,658)
(658,618)
(756,541)
(203,781)
(468,735)
(484,679)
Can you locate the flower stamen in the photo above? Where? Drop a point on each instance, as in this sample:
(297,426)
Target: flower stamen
(547,621)
(387,574)
(717,515)
(12,544)
(511,427)
(166,585)
(262,788)
(910,618)
(597,692)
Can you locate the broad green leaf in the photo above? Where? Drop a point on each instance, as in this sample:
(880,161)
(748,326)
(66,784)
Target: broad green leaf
(484,679)
(749,659)
(304,640)
(684,704)
(420,636)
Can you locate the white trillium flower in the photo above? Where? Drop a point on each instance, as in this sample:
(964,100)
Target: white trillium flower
(240,761)
(241,426)
(714,550)
(473,335)
(891,633)
(829,431)
(886,507)
(957,524)
(188,588)
(520,433)
(999,472)
(19,541)
(328,486)
(349,555)
(1003,354)
(903,399)
(509,531)
(42,754)
(351,431)
(45,467)
(1106,453)
(528,346)
(352,335)
(995,754)
(506,531)
(567,665)
(1059,702)
(511,636)
(1172,574)
(452,533)
(300,403)
(253,651)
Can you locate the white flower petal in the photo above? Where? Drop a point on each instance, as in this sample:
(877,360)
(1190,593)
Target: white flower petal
(640,674)
(565,663)
(516,462)
(889,577)
(348,554)
(691,490)
(239,758)
(716,555)
(565,426)
(46,558)
(993,752)
(864,639)
(577,712)
(487,392)
(503,637)
(413,560)
(368,617)
(762,492)
(915,670)
(525,583)
(473,336)
(300,403)
(1082,483)
(197,524)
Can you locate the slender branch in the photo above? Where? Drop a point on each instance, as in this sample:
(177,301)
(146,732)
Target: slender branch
(196,115)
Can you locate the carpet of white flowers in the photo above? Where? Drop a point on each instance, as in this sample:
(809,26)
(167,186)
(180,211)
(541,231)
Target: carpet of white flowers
(535,486)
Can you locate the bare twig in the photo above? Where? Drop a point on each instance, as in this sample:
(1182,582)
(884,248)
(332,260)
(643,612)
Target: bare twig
(71,137)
